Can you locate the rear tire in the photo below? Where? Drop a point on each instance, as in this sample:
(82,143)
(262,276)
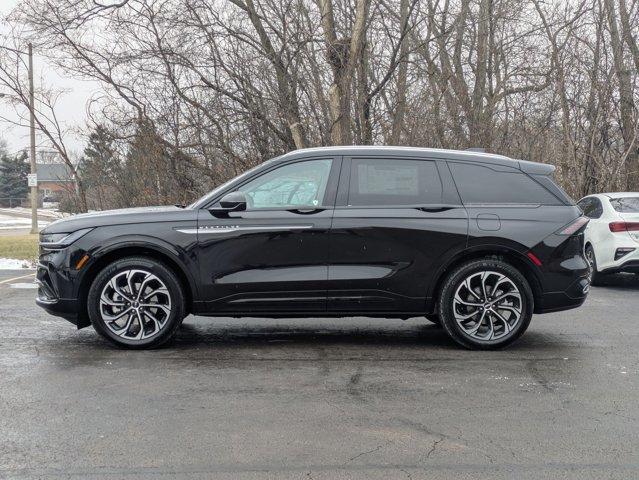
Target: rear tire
(136,303)
(595,276)
(485,304)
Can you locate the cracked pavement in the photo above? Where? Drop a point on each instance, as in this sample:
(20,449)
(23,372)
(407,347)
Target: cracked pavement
(317,399)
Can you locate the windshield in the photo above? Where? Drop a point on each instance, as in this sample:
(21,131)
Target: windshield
(204,199)
(626,204)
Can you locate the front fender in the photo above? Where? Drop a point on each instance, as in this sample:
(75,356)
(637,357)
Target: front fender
(181,256)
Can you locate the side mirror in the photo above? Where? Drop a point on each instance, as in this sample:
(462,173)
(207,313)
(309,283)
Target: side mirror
(231,202)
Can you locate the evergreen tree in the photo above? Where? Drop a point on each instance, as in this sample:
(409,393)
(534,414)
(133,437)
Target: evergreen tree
(99,153)
(13,176)
(101,170)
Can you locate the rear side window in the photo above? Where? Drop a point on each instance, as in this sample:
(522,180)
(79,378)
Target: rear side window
(591,207)
(550,184)
(388,182)
(481,184)
(625,205)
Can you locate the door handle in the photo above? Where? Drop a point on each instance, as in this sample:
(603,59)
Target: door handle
(306,211)
(437,207)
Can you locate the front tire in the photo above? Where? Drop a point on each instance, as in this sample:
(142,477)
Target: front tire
(485,304)
(136,302)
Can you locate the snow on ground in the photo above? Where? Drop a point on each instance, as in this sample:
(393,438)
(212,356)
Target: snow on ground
(46,212)
(7,222)
(13,264)
(24,285)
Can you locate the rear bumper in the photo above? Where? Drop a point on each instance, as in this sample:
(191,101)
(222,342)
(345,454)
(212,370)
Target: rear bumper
(629,266)
(572,297)
(565,273)
(605,253)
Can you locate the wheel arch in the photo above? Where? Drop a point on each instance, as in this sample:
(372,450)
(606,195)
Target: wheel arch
(118,251)
(509,255)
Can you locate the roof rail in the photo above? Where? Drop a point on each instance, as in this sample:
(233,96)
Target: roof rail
(476,149)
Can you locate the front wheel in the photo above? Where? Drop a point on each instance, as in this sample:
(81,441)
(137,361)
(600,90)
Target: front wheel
(136,302)
(485,304)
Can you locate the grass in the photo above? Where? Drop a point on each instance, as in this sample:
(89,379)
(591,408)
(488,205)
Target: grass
(20,247)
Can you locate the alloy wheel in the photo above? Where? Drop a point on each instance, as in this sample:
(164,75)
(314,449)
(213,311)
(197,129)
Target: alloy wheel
(135,304)
(487,305)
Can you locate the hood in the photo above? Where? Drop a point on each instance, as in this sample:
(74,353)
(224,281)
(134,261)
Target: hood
(120,217)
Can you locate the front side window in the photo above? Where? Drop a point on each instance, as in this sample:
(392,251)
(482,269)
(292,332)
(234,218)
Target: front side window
(296,185)
(481,184)
(389,182)
(626,204)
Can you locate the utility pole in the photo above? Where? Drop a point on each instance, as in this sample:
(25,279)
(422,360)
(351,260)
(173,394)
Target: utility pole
(34,189)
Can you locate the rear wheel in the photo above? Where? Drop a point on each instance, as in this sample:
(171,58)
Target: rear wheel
(595,276)
(136,302)
(485,304)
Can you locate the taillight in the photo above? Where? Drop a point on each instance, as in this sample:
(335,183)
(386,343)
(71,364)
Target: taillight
(573,226)
(617,227)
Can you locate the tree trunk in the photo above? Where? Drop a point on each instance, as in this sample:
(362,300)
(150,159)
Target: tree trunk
(343,55)
(626,101)
(402,74)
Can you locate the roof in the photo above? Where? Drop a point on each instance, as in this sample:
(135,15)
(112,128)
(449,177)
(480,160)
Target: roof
(53,172)
(461,155)
(613,195)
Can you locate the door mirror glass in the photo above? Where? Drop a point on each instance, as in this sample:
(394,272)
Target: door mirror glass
(231,202)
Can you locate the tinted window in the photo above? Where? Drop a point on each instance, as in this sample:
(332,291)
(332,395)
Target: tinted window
(482,184)
(378,181)
(591,207)
(625,205)
(301,184)
(549,182)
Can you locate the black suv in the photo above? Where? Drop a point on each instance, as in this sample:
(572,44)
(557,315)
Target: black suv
(474,242)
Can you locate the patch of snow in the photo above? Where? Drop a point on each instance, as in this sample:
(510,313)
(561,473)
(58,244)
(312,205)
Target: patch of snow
(25,286)
(4,220)
(13,264)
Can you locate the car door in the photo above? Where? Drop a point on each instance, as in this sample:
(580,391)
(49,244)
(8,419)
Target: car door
(272,257)
(396,220)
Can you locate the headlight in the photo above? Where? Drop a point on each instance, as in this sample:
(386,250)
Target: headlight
(61,240)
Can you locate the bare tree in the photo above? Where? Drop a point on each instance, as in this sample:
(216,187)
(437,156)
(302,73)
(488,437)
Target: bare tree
(220,85)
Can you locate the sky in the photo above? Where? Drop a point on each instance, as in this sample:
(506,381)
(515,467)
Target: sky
(71,106)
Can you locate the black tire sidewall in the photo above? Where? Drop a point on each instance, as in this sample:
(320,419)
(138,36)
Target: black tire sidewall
(445,304)
(156,268)
(595,276)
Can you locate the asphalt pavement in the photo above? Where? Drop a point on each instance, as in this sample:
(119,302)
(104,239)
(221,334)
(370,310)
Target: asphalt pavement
(310,398)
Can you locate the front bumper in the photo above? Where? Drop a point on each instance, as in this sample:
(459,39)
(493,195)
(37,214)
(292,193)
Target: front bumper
(61,307)
(56,292)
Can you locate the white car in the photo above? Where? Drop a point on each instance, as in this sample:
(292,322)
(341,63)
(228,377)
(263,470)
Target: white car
(612,235)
